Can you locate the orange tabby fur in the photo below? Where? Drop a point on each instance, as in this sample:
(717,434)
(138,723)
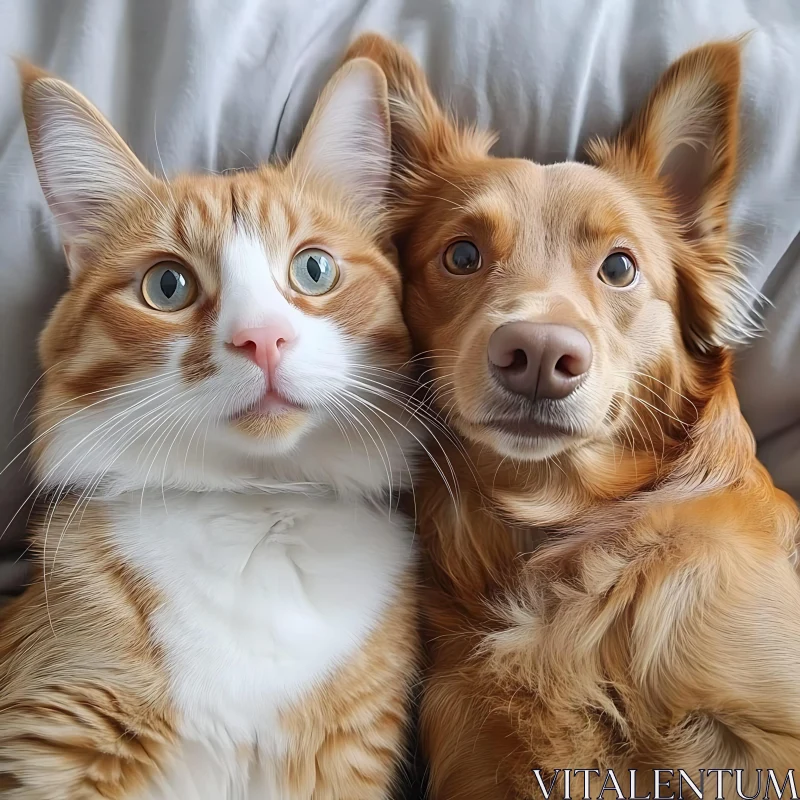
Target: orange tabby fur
(84,705)
(628,601)
(85,710)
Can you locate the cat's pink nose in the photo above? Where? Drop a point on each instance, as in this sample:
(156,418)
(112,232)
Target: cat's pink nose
(263,345)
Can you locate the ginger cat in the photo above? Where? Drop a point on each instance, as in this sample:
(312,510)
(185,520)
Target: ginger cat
(223,605)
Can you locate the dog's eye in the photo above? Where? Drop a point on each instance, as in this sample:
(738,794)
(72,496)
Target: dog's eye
(618,270)
(462,258)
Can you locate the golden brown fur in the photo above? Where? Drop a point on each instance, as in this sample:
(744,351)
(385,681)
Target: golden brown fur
(621,596)
(85,706)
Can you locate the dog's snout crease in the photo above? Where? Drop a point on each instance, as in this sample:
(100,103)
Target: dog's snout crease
(539,360)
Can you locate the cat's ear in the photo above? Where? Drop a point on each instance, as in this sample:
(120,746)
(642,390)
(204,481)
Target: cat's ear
(428,144)
(423,134)
(347,140)
(84,166)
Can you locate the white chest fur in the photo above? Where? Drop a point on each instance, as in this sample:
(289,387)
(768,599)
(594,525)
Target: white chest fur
(264,595)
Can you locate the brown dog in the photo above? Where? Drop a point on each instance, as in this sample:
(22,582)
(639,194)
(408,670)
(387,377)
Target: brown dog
(613,588)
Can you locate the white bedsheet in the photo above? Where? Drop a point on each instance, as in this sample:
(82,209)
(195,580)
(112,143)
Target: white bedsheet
(212,85)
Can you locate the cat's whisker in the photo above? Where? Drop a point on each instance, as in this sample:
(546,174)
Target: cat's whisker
(105,434)
(396,400)
(453,492)
(59,493)
(155,426)
(329,400)
(209,408)
(94,482)
(353,415)
(160,160)
(79,411)
(363,422)
(161,432)
(33,386)
(409,403)
(441,388)
(42,483)
(422,413)
(188,419)
(106,438)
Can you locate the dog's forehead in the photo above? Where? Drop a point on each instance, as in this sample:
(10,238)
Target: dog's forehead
(556,204)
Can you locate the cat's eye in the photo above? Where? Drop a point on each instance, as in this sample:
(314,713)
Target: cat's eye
(169,286)
(462,258)
(618,270)
(313,272)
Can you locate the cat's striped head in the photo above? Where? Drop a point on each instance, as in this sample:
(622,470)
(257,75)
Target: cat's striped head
(221,330)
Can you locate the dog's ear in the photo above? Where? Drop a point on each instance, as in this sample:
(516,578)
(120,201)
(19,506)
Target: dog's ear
(687,135)
(423,135)
(684,142)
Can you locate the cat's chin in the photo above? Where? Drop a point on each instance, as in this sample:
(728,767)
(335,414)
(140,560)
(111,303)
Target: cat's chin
(275,423)
(274,418)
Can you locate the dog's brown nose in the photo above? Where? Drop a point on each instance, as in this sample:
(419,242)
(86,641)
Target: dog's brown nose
(539,360)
